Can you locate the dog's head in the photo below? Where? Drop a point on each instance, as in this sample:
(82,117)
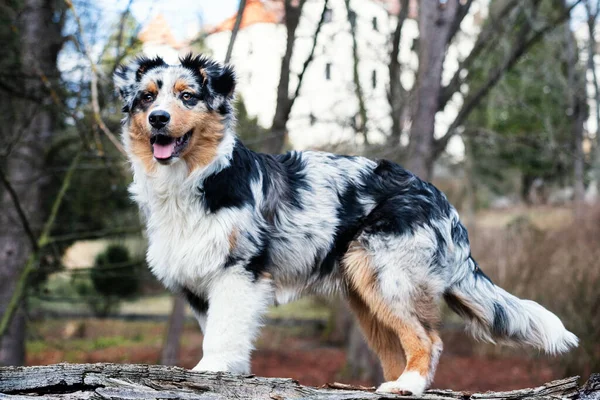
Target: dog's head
(175,112)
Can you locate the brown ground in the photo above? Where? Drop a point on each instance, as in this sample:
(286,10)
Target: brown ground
(281,353)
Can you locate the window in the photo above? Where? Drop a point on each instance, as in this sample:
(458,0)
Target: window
(374,22)
(374,79)
(328,71)
(327,15)
(352,19)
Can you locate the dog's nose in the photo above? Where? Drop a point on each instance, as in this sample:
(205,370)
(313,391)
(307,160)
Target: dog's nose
(159,118)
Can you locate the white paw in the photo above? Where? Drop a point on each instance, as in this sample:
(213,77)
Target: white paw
(409,383)
(208,365)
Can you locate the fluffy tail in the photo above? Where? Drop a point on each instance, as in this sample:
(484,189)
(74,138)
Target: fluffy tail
(495,315)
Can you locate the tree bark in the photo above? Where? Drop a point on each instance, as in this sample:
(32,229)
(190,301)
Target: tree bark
(435,25)
(128,381)
(578,104)
(397,94)
(361,125)
(170,351)
(234,31)
(592,17)
(276,142)
(41,39)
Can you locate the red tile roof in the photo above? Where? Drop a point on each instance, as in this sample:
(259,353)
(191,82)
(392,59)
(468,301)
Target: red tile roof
(256,12)
(158,31)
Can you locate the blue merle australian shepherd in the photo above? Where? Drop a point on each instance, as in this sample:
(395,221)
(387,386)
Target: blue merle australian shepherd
(236,231)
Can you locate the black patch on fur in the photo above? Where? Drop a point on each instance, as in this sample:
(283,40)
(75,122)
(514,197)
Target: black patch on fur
(214,80)
(147,64)
(501,323)
(294,176)
(198,304)
(405,201)
(259,262)
(349,213)
(230,187)
(159,83)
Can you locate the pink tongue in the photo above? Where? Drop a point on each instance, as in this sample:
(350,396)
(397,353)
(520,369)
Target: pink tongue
(163,151)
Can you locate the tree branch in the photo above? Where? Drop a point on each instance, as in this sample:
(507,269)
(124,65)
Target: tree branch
(362,109)
(309,58)
(234,31)
(472,100)
(94,83)
(396,91)
(484,41)
(461,13)
(41,242)
(15,199)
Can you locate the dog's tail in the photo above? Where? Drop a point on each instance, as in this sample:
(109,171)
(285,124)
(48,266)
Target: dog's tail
(494,315)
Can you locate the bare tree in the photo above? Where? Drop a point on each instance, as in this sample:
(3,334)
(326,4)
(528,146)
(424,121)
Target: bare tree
(436,20)
(361,124)
(40,40)
(276,142)
(397,94)
(439,24)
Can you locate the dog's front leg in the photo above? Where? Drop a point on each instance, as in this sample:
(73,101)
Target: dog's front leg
(237,301)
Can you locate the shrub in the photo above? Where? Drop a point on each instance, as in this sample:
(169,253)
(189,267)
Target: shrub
(114,278)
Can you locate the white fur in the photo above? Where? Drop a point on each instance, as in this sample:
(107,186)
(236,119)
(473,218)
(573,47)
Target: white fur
(237,305)
(410,381)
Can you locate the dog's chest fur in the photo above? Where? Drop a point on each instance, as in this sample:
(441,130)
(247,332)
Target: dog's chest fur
(187,244)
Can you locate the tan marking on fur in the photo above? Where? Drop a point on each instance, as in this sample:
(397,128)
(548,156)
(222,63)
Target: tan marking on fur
(266,275)
(204,74)
(140,141)
(152,88)
(415,340)
(233,239)
(208,133)
(180,86)
(381,339)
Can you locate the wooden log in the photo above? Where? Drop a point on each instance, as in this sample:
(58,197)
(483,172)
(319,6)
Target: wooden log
(132,381)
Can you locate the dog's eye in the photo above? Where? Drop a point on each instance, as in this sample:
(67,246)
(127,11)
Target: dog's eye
(147,97)
(186,96)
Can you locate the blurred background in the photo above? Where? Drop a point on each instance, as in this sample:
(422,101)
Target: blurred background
(497,102)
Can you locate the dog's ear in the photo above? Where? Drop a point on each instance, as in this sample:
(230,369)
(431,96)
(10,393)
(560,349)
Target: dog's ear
(128,76)
(223,82)
(217,81)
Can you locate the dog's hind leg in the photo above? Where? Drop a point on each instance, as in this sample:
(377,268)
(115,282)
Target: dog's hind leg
(381,339)
(410,315)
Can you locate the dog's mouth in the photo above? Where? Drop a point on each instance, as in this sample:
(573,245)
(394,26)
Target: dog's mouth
(165,147)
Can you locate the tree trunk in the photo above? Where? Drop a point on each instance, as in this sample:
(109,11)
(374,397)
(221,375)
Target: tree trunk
(276,142)
(170,351)
(397,95)
(435,24)
(41,39)
(578,105)
(129,381)
(592,16)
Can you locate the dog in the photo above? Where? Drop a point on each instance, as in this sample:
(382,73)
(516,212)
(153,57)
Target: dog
(236,231)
